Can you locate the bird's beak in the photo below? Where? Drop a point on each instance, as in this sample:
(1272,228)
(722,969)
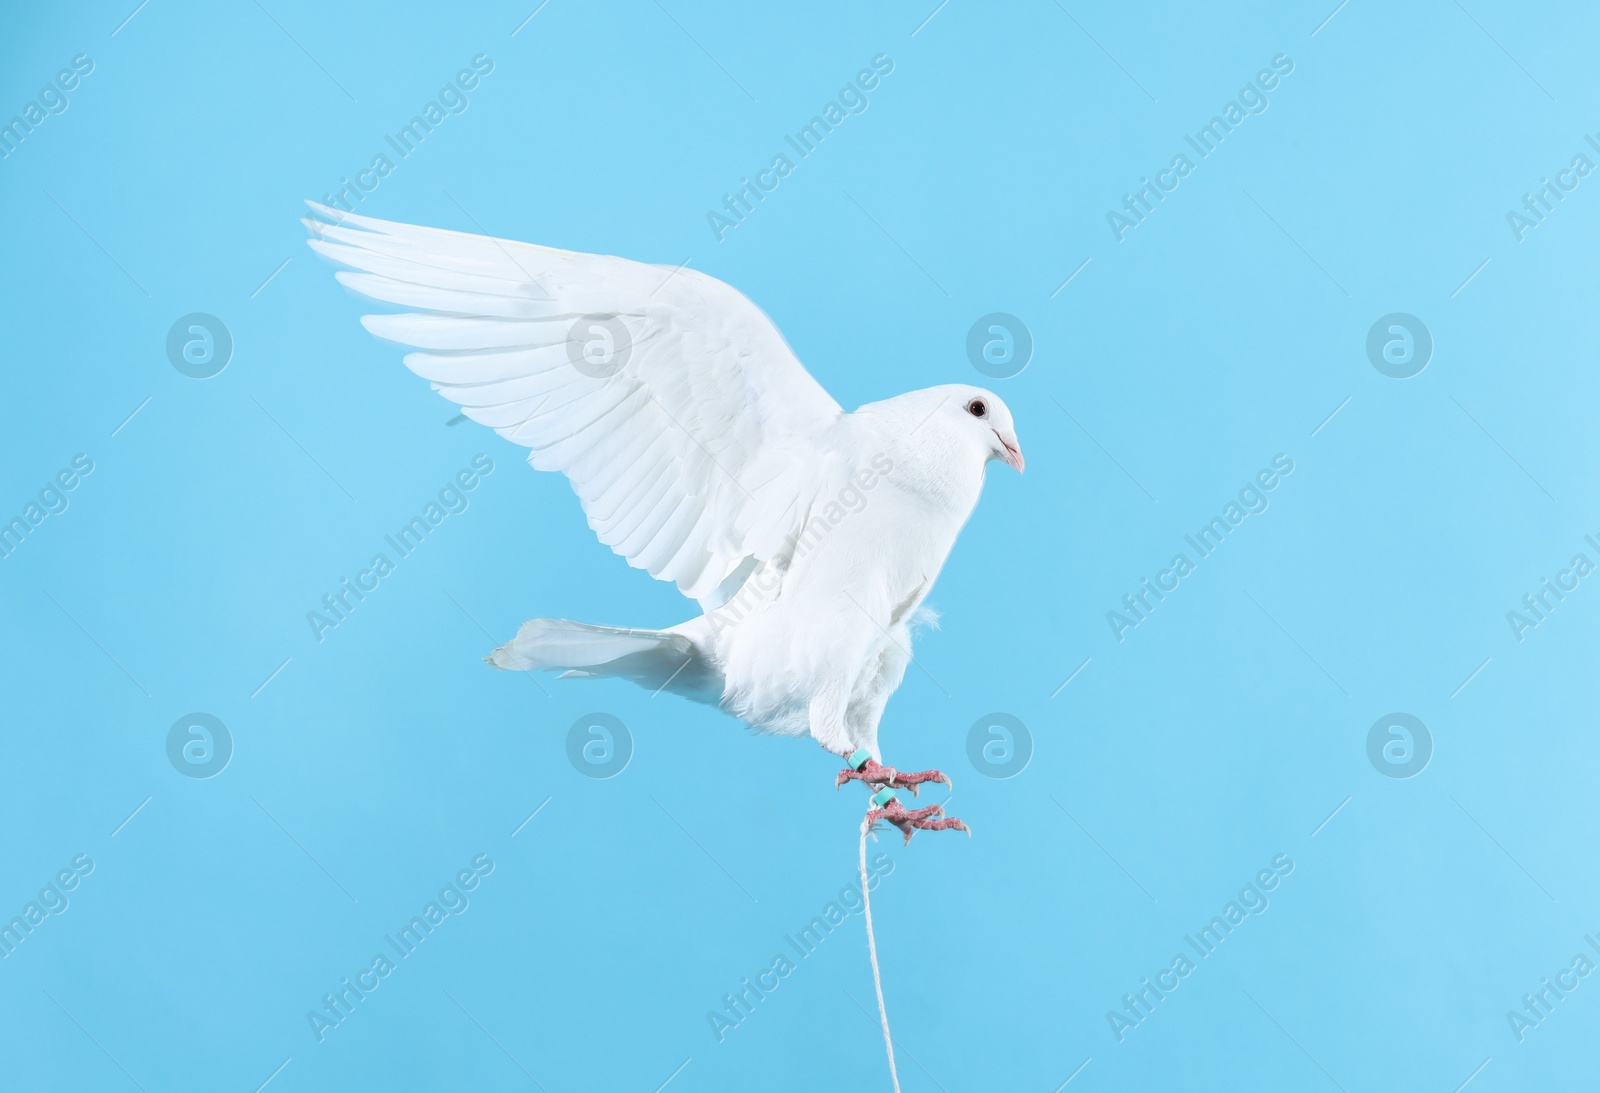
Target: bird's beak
(1012,454)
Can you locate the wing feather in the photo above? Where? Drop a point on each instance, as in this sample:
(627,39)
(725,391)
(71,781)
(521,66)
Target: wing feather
(686,426)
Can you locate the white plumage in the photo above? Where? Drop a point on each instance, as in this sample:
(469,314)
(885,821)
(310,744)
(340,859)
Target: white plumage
(702,452)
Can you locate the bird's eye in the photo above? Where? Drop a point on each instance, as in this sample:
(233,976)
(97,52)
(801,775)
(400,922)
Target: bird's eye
(977,408)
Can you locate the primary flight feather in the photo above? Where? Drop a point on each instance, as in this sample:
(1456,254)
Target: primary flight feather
(704,453)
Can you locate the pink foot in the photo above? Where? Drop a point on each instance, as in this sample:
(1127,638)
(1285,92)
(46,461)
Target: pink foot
(912,820)
(875,773)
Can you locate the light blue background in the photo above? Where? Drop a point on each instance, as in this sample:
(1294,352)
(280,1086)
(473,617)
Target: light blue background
(1175,765)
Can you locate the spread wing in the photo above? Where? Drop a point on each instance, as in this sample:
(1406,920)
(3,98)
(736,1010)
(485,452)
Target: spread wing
(692,435)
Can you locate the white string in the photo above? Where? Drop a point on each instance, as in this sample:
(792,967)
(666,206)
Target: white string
(872,950)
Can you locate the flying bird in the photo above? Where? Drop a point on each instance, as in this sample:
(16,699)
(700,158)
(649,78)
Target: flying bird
(704,453)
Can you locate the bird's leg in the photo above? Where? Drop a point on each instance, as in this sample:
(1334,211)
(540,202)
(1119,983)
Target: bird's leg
(864,768)
(911,820)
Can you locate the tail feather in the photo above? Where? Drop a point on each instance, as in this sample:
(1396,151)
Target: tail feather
(654,659)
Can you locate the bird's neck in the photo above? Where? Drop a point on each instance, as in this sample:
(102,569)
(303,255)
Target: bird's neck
(939,470)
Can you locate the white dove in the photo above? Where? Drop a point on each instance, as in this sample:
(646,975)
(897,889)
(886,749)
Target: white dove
(704,453)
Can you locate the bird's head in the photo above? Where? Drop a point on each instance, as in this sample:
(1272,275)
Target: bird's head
(980,415)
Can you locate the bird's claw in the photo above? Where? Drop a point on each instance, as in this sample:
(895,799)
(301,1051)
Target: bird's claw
(875,773)
(912,820)
(886,806)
